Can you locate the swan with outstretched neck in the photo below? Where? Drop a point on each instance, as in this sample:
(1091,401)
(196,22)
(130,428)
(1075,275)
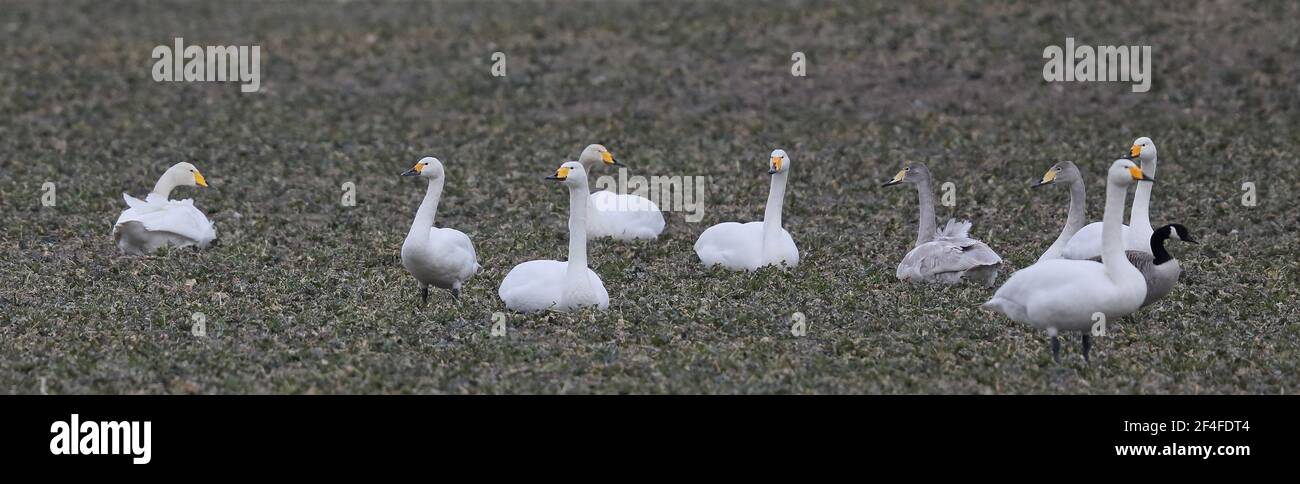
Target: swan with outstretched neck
(1086,243)
(752,245)
(438,257)
(549,284)
(155,222)
(615,215)
(1066,172)
(1070,295)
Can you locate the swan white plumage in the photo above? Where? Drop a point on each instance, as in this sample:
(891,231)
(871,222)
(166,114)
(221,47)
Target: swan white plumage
(146,225)
(438,257)
(945,255)
(1065,295)
(620,216)
(1086,243)
(548,284)
(748,246)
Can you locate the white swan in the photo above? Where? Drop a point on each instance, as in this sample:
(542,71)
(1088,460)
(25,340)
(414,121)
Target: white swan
(748,246)
(621,216)
(944,256)
(549,284)
(1086,244)
(156,221)
(443,257)
(1064,295)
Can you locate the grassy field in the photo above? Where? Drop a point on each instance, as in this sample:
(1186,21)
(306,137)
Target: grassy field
(302,294)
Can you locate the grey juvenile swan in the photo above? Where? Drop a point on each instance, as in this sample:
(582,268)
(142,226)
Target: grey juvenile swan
(948,255)
(1066,172)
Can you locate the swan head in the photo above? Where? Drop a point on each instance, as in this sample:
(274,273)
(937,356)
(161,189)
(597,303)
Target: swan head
(185,174)
(571,173)
(1063,172)
(426,167)
(597,154)
(912,173)
(1124,173)
(1174,231)
(779,162)
(1143,150)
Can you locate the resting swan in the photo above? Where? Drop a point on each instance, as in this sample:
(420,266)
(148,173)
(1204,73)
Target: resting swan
(549,284)
(748,246)
(1086,244)
(1159,269)
(156,221)
(1063,295)
(948,255)
(443,257)
(621,216)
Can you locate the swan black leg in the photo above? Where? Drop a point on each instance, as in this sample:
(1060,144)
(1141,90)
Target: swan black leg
(1056,349)
(424,296)
(455,293)
(1087,345)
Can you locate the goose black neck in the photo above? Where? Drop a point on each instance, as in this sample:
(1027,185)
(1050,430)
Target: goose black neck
(1158,239)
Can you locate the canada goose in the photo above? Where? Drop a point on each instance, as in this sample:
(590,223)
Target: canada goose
(1160,269)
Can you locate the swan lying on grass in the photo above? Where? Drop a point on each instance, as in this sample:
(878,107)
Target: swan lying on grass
(748,246)
(549,284)
(149,224)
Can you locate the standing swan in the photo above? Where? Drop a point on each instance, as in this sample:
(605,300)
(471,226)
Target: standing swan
(1067,295)
(443,258)
(1066,172)
(544,284)
(156,221)
(621,216)
(752,245)
(1086,244)
(945,256)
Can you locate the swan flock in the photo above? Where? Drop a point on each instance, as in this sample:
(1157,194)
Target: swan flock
(1101,270)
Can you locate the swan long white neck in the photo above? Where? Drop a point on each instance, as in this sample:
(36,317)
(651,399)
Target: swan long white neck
(1112,238)
(925,227)
(772,213)
(428,209)
(1141,216)
(576,270)
(165,184)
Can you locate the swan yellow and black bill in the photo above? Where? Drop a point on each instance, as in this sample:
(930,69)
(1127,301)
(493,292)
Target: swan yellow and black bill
(560,175)
(199,180)
(776,165)
(1048,178)
(609,159)
(1138,175)
(897,178)
(415,170)
(1135,151)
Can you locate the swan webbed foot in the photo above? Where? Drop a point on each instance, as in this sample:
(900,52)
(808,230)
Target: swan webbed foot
(424,296)
(1056,349)
(1087,345)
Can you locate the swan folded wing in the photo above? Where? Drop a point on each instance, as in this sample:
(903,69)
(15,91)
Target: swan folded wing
(623,217)
(733,245)
(533,285)
(954,229)
(949,255)
(178,217)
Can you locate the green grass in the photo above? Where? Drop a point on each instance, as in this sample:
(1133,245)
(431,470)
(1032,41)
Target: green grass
(302,294)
